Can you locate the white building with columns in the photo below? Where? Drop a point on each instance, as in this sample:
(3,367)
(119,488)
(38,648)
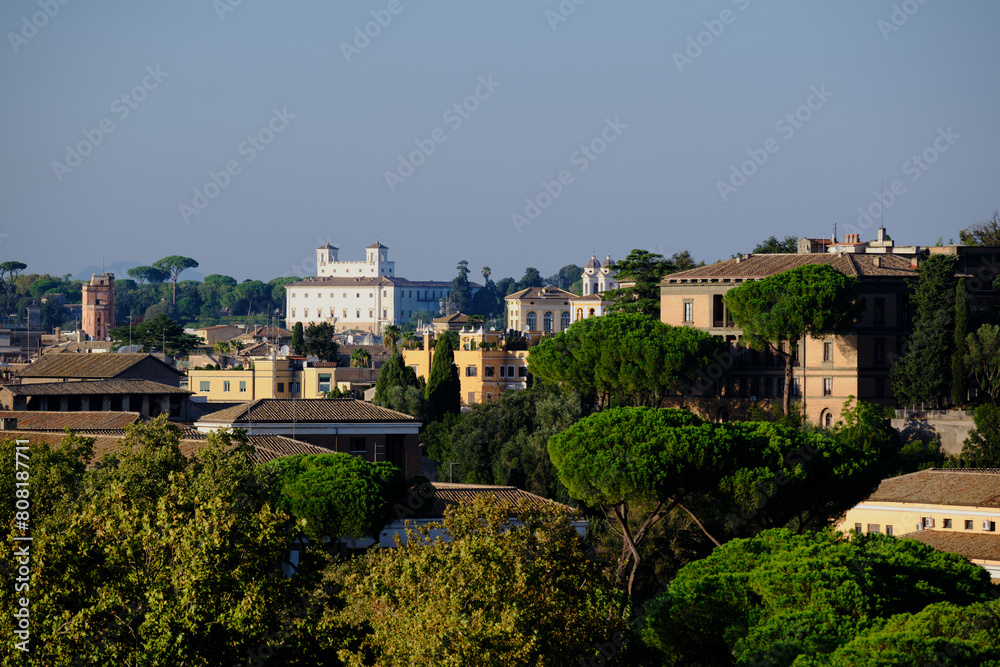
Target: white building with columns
(361,295)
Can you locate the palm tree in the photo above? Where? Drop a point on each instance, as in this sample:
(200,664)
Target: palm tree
(408,340)
(360,358)
(486,273)
(391,335)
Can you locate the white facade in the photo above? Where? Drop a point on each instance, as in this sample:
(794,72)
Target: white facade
(597,278)
(364,296)
(376,262)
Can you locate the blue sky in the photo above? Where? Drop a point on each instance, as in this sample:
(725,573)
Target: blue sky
(623,123)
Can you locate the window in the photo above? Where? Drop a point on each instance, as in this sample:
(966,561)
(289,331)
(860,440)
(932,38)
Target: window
(564,321)
(324,382)
(688,311)
(225,385)
(371,313)
(548,322)
(857,528)
(946,523)
(827,418)
(293,312)
(879,312)
(488,371)
(281,388)
(888,531)
(385,313)
(470,371)
(243,386)
(358,445)
(357,313)
(305,312)
(532,321)
(827,351)
(795,387)
(522,371)
(879,350)
(503,371)
(579,314)
(204,385)
(968,525)
(345,313)
(989,526)
(927,522)
(510,371)
(319,312)
(874,528)
(828,386)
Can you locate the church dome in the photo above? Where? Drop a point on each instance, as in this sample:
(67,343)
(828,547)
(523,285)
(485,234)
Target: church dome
(593,263)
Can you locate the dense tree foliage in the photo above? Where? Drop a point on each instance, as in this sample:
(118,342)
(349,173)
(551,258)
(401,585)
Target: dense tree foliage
(780,596)
(923,375)
(771,245)
(624,359)
(333,495)
(155,334)
(494,595)
(985,233)
(504,442)
(644,270)
(173,266)
(982,447)
(394,373)
(443,386)
(461,291)
(298,339)
(982,357)
(814,300)
(317,340)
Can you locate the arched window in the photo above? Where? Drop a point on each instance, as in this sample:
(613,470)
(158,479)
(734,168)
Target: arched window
(826,419)
(532,321)
(579,314)
(564,321)
(595,288)
(549,321)
(723,415)
(591,313)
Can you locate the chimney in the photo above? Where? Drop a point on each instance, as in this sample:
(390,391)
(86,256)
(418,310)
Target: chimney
(877,261)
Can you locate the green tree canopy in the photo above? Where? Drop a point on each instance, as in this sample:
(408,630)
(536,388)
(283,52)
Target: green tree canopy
(155,334)
(814,300)
(624,358)
(298,339)
(173,266)
(443,386)
(985,233)
(461,292)
(361,358)
(566,276)
(771,245)
(148,274)
(337,495)
(644,270)
(983,359)
(923,375)
(318,340)
(494,594)
(982,447)
(394,373)
(779,596)
(249,291)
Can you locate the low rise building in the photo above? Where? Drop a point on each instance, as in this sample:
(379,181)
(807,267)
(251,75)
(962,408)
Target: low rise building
(107,366)
(336,425)
(281,377)
(148,398)
(950,509)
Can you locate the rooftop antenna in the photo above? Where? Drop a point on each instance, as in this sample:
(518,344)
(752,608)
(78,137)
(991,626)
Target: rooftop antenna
(835,232)
(882,221)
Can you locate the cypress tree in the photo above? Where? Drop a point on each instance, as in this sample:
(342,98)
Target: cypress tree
(394,373)
(959,372)
(443,387)
(298,339)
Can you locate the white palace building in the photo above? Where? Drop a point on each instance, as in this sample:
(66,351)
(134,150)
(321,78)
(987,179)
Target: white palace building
(361,295)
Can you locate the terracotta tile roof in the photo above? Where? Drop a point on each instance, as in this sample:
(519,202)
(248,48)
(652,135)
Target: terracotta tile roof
(258,350)
(30,420)
(270,447)
(449,495)
(266,448)
(761,266)
(379,353)
(267,332)
(84,387)
(979,546)
(454,317)
(542,293)
(100,365)
(318,410)
(965,487)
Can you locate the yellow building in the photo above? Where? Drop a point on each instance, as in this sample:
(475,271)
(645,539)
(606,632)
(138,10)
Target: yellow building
(289,377)
(826,370)
(955,510)
(538,311)
(485,369)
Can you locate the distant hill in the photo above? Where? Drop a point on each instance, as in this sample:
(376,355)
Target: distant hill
(120,269)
